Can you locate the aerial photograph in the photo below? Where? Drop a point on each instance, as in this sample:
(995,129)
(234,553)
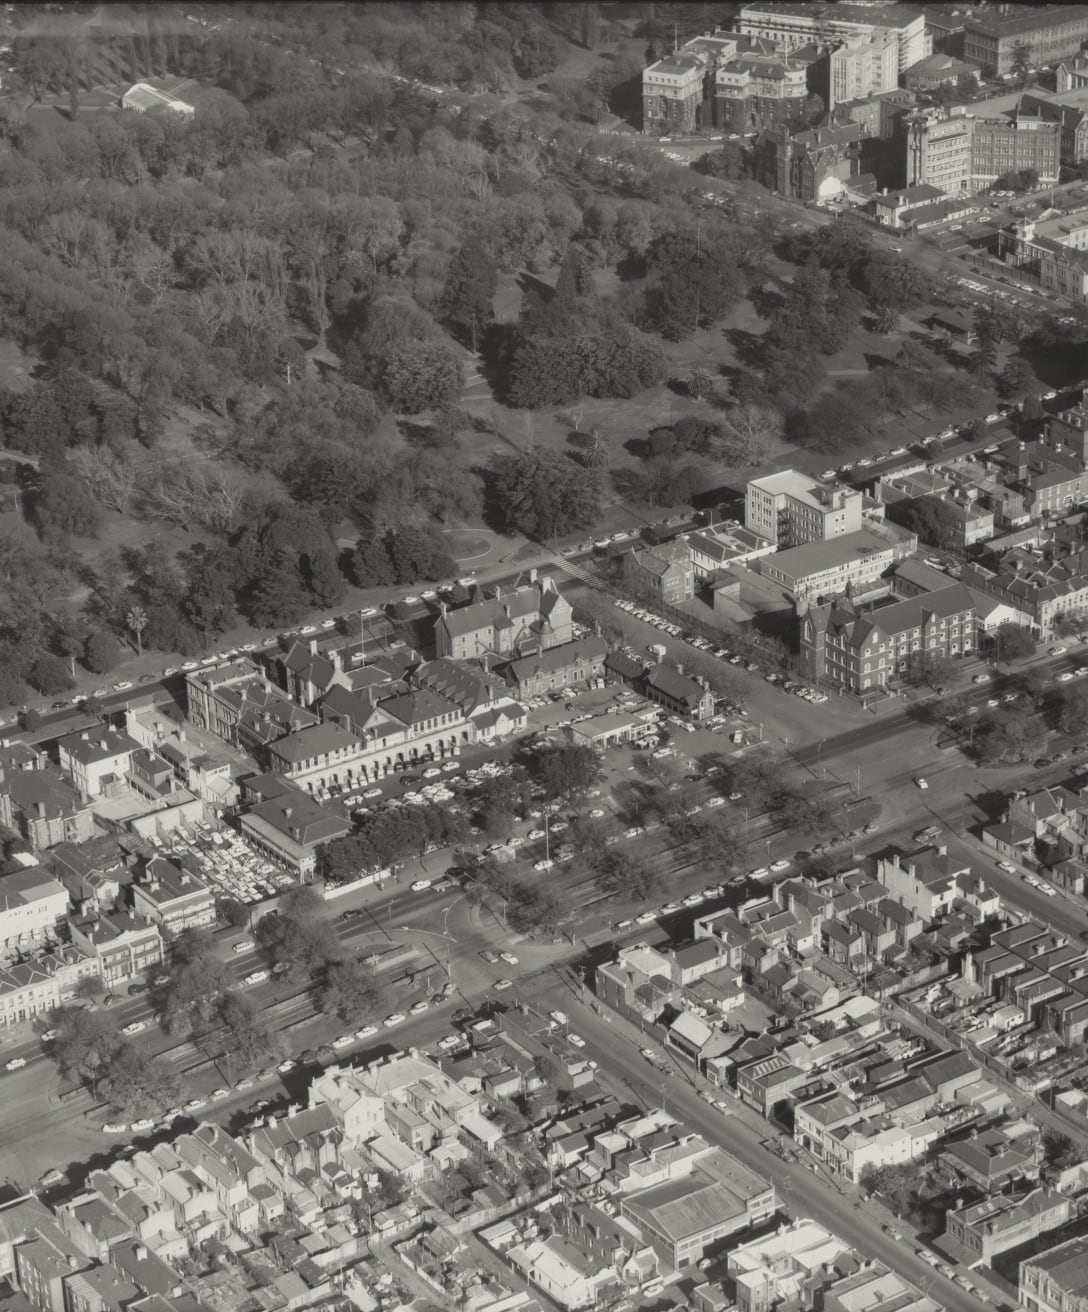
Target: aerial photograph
(543,656)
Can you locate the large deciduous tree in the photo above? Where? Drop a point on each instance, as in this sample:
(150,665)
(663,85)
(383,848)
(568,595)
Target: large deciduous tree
(541,494)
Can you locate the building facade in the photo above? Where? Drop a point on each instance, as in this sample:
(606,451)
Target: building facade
(1057,1280)
(822,569)
(939,150)
(673,95)
(757,91)
(667,572)
(1025,141)
(863,650)
(991,38)
(1053,252)
(864,65)
(791,25)
(791,508)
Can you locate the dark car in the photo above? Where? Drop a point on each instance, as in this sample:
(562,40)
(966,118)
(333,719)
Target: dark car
(326,1053)
(308,1056)
(1042,762)
(133,989)
(352,913)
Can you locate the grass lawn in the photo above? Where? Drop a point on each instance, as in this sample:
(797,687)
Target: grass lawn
(626,423)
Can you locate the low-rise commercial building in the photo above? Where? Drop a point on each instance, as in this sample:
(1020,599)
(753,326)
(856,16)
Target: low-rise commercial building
(1057,1280)
(856,561)
(173,897)
(982,1231)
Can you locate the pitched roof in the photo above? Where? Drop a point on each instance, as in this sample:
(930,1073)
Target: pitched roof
(315,741)
(492,612)
(680,687)
(557,658)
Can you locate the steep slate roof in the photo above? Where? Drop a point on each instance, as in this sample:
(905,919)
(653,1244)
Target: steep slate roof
(307,744)
(557,658)
(681,687)
(414,707)
(492,613)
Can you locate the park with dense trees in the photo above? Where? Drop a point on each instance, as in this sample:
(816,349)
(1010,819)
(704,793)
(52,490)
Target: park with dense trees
(233,342)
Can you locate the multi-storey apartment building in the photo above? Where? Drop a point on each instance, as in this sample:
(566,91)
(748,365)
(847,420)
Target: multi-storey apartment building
(1024,141)
(938,150)
(756,91)
(992,36)
(866,649)
(96,760)
(864,65)
(791,508)
(673,95)
(1072,120)
(32,903)
(792,25)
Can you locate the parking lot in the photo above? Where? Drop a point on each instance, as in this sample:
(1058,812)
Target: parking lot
(227,862)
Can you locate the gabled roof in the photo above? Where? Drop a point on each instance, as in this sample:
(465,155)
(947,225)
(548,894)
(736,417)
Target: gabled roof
(317,740)
(552,659)
(680,687)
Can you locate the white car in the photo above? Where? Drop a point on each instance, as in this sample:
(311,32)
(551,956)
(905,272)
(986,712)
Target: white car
(1007,866)
(560,1017)
(16,1064)
(286,1065)
(1056,651)
(576,1040)
(421,885)
(397,1018)
(449,1042)
(344,1041)
(135,1027)
(256,977)
(541,866)
(243,945)
(368,1031)
(114,1127)
(219,1095)
(328,624)
(195,1104)
(922,783)
(509,958)
(371,793)
(418,1008)
(1066,676)
(781,864)
(431,772)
